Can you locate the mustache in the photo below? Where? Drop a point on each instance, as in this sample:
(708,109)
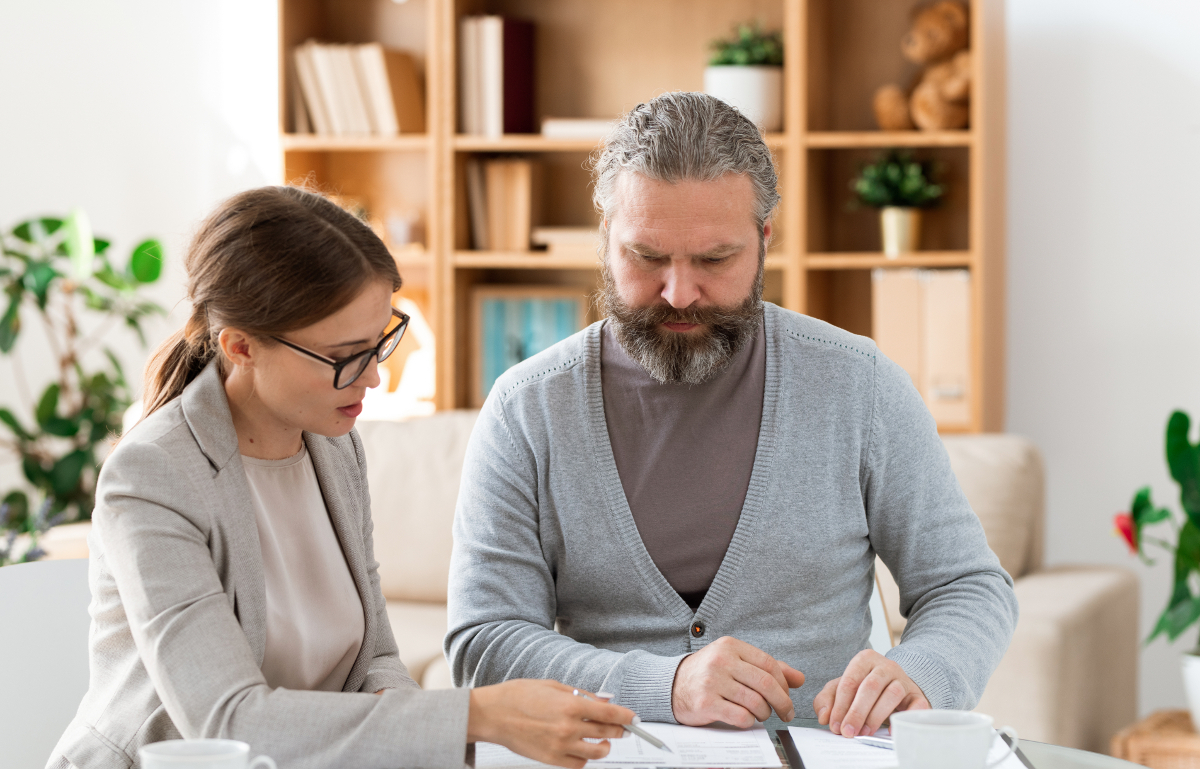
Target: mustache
(711,316)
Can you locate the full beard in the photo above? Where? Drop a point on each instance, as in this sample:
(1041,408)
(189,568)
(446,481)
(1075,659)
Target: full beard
(672,357)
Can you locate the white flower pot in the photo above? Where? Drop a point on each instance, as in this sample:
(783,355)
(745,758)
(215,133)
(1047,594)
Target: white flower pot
(1191,684)
(757,92)
(901,230)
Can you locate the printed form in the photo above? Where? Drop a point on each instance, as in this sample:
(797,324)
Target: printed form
(820,749)
(696,747)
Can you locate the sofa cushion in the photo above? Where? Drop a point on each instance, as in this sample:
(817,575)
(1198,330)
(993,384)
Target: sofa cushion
(413,469)
(419,629)
(1002,477)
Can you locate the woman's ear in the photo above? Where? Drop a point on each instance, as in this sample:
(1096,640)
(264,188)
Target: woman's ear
(238,346)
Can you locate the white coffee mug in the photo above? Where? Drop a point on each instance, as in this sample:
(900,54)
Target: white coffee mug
(201,754)
(946,739)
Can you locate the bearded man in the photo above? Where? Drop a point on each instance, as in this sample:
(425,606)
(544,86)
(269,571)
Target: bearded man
(682,504)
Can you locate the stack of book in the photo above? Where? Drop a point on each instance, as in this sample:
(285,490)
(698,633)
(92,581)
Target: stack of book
(502,197)
(356,90)
(496,76)
(921,319)
(568,241)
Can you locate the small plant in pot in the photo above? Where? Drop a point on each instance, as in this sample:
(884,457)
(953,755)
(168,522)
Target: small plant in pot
(746,71)
(899,186)
(1183,606)
(53,272)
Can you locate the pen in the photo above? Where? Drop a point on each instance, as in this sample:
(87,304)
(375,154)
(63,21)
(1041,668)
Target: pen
(877,742)
(632,729)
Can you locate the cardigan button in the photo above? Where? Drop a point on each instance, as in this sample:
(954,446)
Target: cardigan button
(697,629)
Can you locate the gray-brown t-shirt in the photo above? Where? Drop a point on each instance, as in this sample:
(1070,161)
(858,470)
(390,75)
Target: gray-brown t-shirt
(684,454)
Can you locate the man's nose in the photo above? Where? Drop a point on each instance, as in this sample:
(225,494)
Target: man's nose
(680,287)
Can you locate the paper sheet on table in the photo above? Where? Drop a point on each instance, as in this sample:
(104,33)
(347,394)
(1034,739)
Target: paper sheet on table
(821,750)
(692,746)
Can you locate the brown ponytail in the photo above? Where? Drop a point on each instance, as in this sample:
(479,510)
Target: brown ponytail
(267,261)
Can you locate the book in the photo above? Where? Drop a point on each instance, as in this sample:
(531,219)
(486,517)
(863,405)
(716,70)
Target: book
(407,90)
(310,86)
(358,90)
(568,241)
(496,76)
(392,89)
(470,107)
(329,88)
(477,204)
(947,371)
(576,128)
(921,319)
(350,92)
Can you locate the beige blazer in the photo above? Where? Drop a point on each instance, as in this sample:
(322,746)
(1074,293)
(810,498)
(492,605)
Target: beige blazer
(179,615)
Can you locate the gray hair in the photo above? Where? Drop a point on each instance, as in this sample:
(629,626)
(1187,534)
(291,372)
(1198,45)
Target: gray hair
(682,136)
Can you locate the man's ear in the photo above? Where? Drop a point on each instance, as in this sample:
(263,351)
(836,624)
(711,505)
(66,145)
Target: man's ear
(238,346)
(767,235)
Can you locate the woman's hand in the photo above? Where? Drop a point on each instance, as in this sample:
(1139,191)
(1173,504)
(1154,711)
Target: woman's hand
(542,720)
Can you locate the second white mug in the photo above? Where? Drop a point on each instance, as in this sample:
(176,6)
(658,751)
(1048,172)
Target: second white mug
(201,754)
(946,739)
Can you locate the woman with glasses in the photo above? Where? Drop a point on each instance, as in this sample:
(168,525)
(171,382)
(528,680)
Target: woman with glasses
(234,587)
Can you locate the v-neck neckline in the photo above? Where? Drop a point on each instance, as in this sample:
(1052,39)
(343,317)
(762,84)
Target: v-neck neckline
(618,505)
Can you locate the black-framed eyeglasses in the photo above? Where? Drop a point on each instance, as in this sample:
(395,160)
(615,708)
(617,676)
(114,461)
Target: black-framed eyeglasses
(347,370)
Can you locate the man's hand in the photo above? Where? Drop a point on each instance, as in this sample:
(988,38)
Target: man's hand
(872,688)
(544,721)
(731,681)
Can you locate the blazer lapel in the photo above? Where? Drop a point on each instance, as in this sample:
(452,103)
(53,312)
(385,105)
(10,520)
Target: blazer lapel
(338,480)
(235,545)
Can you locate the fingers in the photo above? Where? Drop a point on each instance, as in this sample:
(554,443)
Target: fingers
(891,697)
(765,693)
(602,711)
(823,702)
(847,688)
(756,657)
(868,694)
(794,678)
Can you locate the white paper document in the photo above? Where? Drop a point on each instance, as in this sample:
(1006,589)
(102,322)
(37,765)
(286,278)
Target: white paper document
(820,749)
(692,746)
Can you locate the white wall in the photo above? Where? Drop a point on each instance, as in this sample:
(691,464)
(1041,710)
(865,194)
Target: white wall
(1104,268)
(144,113)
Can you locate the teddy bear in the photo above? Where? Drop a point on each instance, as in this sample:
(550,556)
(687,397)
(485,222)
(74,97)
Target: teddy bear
(939,101)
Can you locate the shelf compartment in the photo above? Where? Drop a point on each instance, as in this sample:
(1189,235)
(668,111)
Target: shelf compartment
(539,143)
(836,226)
(598,59)
(523,260)
(853,48)
(881,139)
(323,143)
(866,261)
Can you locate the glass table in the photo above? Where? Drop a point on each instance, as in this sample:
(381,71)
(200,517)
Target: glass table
(1035,755)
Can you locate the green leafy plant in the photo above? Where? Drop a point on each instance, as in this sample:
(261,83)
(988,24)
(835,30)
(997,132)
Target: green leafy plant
(1183,460)
(54,270)
(897,179)
(749,46)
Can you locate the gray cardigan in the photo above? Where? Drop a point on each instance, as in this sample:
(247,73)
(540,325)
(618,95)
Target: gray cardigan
(179,612)
(549,578)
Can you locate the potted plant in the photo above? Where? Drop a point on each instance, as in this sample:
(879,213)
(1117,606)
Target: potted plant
(1183,605)
(54,271)
(746,72)
(899,186)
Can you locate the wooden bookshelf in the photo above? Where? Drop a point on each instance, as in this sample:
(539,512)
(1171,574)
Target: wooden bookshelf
(599,58)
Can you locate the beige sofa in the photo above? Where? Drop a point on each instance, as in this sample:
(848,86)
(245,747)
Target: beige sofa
(1069,677)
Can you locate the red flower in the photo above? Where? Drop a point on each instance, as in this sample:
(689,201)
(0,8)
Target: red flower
(1124,526)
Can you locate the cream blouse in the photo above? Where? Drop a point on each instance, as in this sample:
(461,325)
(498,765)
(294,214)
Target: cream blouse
(315,621)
